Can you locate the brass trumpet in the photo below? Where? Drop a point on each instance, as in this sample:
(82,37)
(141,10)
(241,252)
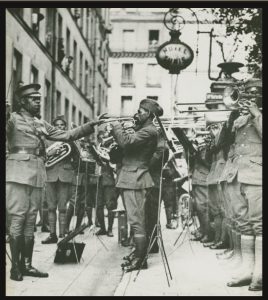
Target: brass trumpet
(119,119)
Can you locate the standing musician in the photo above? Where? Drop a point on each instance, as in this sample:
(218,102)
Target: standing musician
(59,178)
(134,178)
(216,202)
(107,195)
(26,174)
(79,202)
(244,185)
(200,168)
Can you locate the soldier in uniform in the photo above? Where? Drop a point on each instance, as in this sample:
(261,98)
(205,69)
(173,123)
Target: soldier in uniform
(107,195)
(200,169)
(244,185)
(59,178)
(216,203)
(26,174)
(79,201)
(134,178)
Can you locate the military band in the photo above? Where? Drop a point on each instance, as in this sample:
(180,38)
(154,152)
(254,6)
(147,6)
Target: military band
(226,181)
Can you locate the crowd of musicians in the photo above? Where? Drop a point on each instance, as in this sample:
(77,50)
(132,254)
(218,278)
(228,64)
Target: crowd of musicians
(225,175)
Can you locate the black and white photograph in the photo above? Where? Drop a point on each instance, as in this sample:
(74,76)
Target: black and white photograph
(133,149)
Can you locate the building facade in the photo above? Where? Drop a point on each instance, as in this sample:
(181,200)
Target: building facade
(134,72)
(66,50)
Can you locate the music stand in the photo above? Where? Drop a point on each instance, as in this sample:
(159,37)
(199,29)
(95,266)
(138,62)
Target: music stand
(157,227)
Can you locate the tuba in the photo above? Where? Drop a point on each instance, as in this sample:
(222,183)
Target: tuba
(57,152)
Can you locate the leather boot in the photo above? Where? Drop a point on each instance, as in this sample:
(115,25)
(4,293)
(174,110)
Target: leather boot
(51,239)
(138,261)
(15,243)
(169,224)
(52,219)
(110,223)
(45,224)
(256,282)
(244,274)
(89,215)
(100,216)
(62,223)
(69,215)
(26,259)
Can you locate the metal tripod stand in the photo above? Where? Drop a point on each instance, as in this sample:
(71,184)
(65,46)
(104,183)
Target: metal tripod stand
(158,237)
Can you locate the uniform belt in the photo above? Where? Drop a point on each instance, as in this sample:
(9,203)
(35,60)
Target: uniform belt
(26,150)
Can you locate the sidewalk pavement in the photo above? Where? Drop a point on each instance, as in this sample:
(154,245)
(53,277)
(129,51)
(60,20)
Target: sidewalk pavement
(97,274)
(195,271)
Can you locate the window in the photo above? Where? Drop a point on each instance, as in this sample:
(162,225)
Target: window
(49,28)
(75,62)
(128,40)
(153,97)
(34,75)
(85,119)
(79,118)
(153,75)
(87,22)
(68,38)
(153,39)
(58,104)
(17,74)
(127,74)
(81,71)
(66,111)
(47,104)
(35,21)
(99,100)
(61,52)
(74,114)
(86,78)
(126,105)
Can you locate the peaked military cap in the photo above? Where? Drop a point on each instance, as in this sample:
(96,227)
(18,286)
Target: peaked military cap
(152,106)
(29,89)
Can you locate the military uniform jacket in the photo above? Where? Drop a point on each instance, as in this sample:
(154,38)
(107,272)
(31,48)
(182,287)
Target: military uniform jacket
(200,169)
(218,162)
(62,171)
(22,130)
(245,155)
(138,149)
(157,161)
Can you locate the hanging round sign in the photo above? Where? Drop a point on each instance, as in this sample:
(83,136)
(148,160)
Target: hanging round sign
(174,56)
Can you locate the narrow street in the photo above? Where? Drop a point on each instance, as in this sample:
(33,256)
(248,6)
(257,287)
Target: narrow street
(195,270)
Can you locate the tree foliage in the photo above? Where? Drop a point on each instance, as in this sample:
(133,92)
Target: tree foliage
(241,21)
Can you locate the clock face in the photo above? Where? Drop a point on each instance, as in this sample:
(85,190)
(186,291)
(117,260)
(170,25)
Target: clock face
(174,56)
